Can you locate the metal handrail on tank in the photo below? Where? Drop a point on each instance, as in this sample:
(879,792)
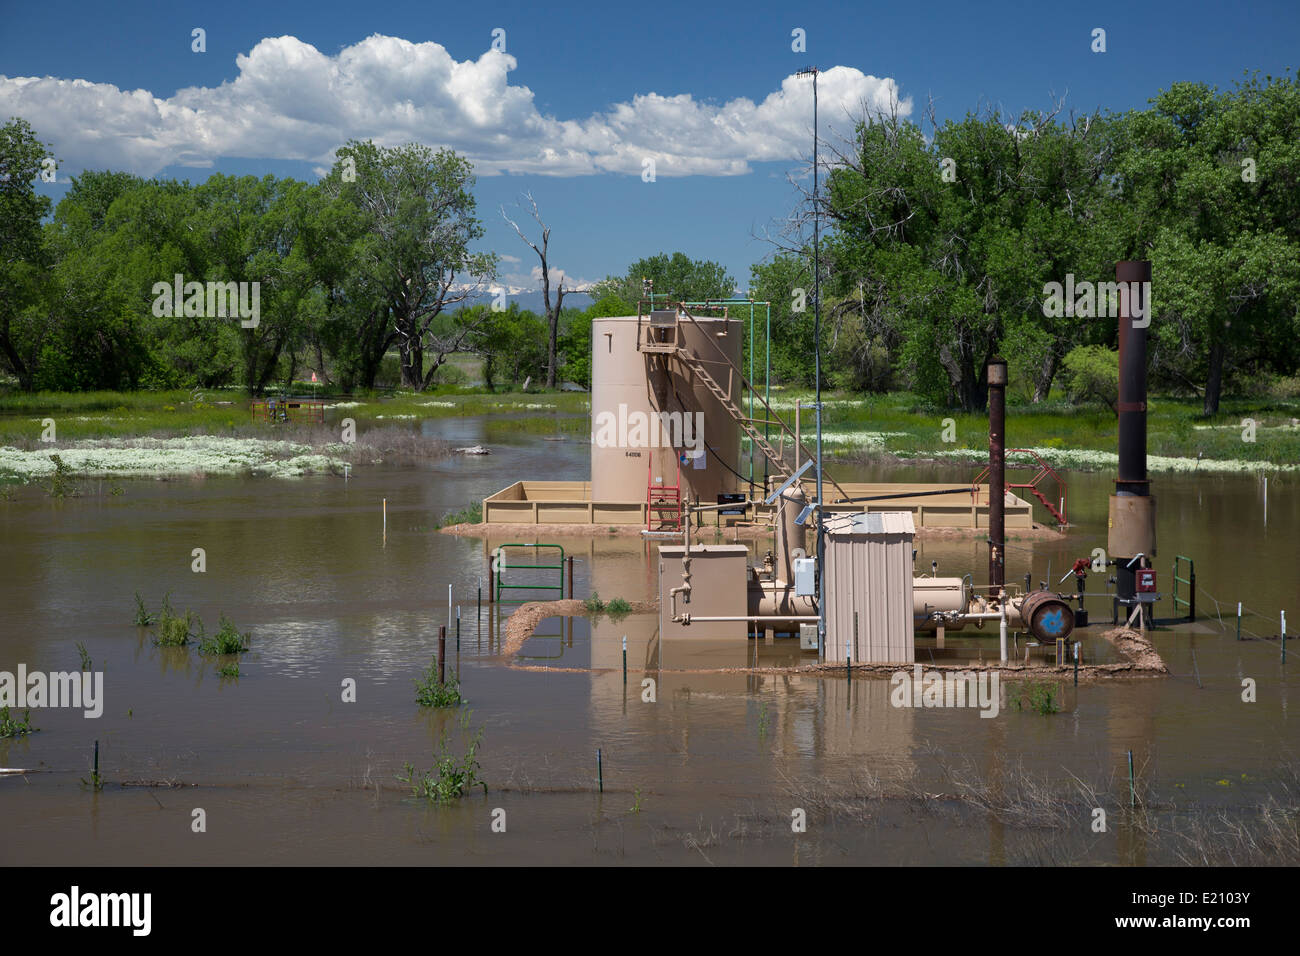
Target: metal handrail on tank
(681,309)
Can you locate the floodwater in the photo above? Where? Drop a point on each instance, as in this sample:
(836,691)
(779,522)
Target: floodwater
(711,770)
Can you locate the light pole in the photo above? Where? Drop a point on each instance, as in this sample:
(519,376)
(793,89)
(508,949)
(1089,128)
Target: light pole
(817,366)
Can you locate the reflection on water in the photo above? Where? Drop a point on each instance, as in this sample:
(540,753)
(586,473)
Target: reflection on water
(296,774)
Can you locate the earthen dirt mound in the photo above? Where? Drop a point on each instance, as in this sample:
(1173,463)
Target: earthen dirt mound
(1136,648)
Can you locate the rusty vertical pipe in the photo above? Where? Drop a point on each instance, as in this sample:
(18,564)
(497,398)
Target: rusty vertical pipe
(1132,508)
(442,653)
(997,377)
(1134,316)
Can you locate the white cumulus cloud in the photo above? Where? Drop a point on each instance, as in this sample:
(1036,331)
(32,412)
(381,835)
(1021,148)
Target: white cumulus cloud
(290,101)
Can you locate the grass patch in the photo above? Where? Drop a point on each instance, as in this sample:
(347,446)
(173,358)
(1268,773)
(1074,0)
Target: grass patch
(176,630)
(85,657)
(229,671)
(898,425)
(617,608)
(227,640)
(471,514)
(1042,697)
(430,692)
(453,775)
(225,411)
(143,616)
(9,727)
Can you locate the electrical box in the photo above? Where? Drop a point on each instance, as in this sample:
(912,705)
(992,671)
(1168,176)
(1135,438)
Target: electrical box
(739,502)
(1146,580)
(807,637)
(805,577)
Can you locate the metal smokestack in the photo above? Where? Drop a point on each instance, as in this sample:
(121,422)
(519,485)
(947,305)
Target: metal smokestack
(1132,529)
(1133,377)
(997,376)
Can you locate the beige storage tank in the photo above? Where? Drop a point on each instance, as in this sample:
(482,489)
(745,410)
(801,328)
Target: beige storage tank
(648,407)
(929,594)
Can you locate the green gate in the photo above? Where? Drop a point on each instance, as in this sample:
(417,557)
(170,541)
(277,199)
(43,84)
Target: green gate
(500,565)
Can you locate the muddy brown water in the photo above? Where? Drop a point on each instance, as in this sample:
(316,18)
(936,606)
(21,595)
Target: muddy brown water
(709,772)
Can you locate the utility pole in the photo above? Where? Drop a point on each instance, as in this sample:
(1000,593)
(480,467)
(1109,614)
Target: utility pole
(817,360)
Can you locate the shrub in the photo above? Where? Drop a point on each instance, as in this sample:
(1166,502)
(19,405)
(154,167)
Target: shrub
(15,728)
(227,640)
(470,514)
(1092,374)
(175,630)
(142,616)
(451,777)
(431,692)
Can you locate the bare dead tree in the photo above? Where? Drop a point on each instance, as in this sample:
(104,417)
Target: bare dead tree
(543,253)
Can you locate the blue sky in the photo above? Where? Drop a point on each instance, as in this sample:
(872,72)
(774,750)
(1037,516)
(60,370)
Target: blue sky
(703,89)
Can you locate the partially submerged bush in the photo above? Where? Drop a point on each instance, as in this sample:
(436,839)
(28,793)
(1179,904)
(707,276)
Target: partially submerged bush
(143,618)
(175,630)
(61,484)
(430,692)
(451,777)
(1038,696)
(15,728)
(227,640)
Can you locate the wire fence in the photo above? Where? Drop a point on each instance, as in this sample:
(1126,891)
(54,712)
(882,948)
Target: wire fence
(1238,613)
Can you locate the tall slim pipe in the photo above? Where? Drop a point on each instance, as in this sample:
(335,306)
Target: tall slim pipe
(789,534)
(997,473)
(817,335)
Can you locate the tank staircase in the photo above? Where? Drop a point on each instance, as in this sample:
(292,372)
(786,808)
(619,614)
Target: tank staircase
(663,503)
(660,333)
(1042,472)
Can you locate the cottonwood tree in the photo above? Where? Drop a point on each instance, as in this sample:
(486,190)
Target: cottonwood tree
(419,223)
(944,268)
(678,276)
(552,312)
(95,323)
(22,256)
(1210,181)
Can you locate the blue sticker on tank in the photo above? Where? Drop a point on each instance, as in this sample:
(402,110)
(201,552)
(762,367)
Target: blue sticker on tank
(1052,622)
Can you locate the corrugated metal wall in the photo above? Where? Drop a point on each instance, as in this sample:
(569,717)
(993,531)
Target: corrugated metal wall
(869,574)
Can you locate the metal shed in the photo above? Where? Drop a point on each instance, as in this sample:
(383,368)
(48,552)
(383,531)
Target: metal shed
(869,588)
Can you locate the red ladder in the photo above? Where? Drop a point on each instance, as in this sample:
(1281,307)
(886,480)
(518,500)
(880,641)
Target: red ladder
(1042,472)
(663,503)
